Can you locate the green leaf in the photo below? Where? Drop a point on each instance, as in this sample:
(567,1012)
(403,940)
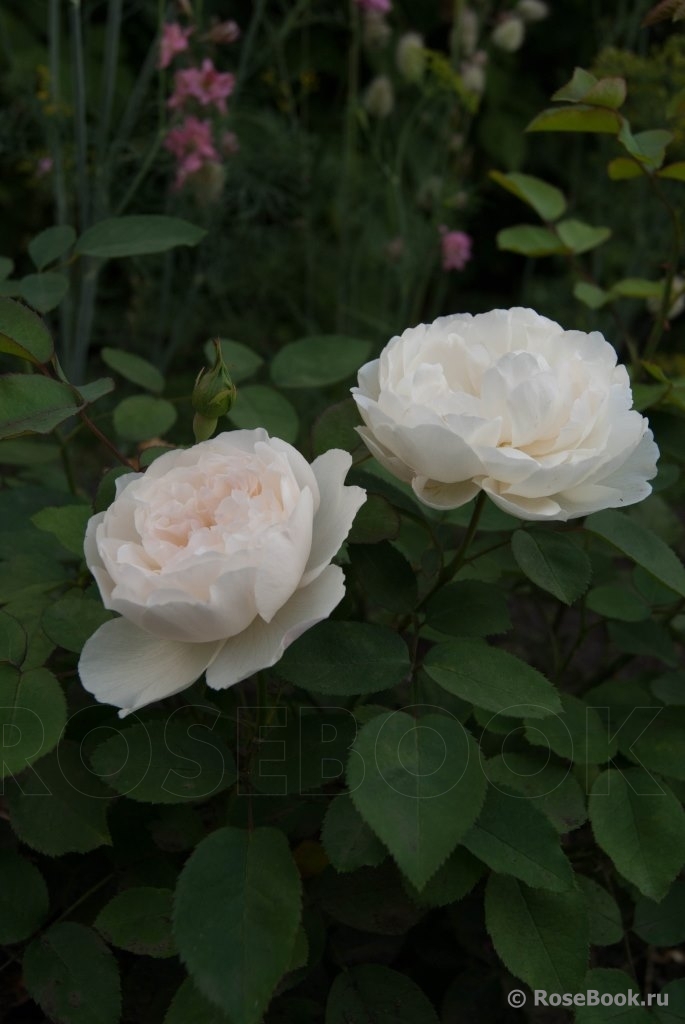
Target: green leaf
(13,640)
(574,91)
(139,371)
(637,288)
(542,937)
(640,544)
(260,406)
(369,900)
(554,788)
(346,658)
(385,576)
(24,334)
(44,291)
(419,785)
(242,362)
(6,267)
(336,428)
(139,920)
(590,295)
(553,563)
(375,521)
(491,678)
(33,713)
(189,1005)
(529,240)
(674,1013)
(137,236)
(96,389)
(647,147)
(614,601)
(318,361)
(608,92)
(610,982)
(304,752)
(645,639)
(469,608)
(580,237)
(669,688)
(640,824)
(623,168)
(585,88)
(547,201)
(512,836)
(372,994)
(50,244)
(24,900)
(32,404)
(675,172)
(73,976)
(59,806)
(348,841)
(66,522)
(236,916)
(663,923)
(578,734)
(653,737)
(167,762)
(606,926)
(142,417)
(451,882)
(71,620)
(579,118)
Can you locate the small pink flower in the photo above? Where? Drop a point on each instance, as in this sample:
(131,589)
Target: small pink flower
(174,40)
(456,248)
(44,166)
(204,84)
(377,6)
(192,145)
(230,143)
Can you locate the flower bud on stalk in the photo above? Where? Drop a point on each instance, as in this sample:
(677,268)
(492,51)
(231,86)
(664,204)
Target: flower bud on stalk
(213,395)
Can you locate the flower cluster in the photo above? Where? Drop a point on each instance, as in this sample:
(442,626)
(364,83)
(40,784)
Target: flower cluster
(456,248)
(220,555)
(198,90)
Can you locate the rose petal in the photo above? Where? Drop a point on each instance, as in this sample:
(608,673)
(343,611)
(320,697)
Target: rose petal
(262,644)
(443,496)
(339,505)
(123,666)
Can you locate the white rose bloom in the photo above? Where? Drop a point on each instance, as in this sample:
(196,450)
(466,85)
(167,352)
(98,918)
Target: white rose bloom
(507,402)
(217,558)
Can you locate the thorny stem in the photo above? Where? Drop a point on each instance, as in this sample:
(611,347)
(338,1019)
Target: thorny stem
(661,319)
(129,463)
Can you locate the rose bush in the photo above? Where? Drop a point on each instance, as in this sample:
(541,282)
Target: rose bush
(217,558)
(507,402)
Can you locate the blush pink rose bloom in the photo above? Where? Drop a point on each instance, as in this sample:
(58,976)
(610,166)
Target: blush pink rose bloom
(205,84)
(192,144)
(456,249)
(174,41)
(216,558)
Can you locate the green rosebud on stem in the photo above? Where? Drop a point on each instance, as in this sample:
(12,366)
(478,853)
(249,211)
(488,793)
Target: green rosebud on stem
(213,395)
(203,428)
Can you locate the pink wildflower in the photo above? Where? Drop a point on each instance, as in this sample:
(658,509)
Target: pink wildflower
(192,145)
(456,248)
(204,84)
(44,166)
(377,6)
(174,40)
(230,143)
